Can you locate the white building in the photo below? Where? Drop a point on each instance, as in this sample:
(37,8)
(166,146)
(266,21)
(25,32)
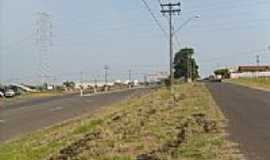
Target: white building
(157,77)
(250,72)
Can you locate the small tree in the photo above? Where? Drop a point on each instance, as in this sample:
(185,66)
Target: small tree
(181,61)
(69,84)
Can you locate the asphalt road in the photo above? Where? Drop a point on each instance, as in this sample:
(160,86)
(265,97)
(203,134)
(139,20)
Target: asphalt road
(248,112)
(24,117)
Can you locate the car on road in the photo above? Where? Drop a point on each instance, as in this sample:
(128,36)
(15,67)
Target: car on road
(10,93)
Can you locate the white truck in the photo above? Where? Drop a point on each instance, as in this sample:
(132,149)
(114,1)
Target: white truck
(216,78)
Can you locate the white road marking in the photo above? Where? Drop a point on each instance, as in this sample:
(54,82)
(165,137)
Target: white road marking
(57,109)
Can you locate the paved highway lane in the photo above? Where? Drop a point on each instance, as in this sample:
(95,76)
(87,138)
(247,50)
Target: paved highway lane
(248,112)
(21,118)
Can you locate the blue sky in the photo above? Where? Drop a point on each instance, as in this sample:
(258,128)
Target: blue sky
(123,35)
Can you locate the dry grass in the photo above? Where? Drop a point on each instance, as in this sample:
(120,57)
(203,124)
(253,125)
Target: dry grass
(257,83)
(153,127)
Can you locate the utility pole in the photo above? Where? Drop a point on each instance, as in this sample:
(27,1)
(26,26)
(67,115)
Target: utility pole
(145,79)
(171,9)
(129,75)
(54,82)
(188,74)
(258,64)
(81,77)
(258,60)
(189,69)
(106,68)
(95,80)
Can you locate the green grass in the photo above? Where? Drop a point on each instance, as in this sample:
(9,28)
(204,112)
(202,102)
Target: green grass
(154,125)
(257,83)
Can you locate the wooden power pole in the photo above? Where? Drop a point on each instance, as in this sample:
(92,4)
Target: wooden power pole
(171,9)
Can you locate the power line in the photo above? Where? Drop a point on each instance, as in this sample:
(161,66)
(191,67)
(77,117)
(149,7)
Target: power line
(175,36)
(177,40)
(228,5)
(147,6)
(236,55)
(158,23)
(16,43)
(231,27)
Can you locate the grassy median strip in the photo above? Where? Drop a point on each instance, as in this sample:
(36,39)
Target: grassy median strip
(152,127)
(257,83)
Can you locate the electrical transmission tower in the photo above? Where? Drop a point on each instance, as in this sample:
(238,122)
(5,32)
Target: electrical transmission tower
(44,34)
(171,9)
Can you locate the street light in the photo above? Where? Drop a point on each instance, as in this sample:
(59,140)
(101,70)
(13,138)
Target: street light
(186,22)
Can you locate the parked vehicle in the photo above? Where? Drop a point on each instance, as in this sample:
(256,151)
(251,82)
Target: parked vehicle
(10,93)
(1,94)
(213,78)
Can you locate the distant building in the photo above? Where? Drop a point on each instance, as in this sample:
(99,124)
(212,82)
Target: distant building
(86,85)
(254,69)
(157,77)
(249,71)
